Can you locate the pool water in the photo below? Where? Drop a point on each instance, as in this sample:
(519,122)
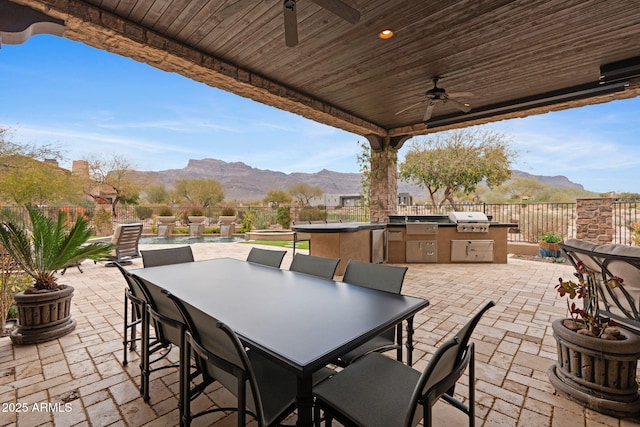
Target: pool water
(187,240)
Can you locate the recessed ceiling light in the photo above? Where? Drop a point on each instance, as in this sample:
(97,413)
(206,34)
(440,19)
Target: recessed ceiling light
(385,34)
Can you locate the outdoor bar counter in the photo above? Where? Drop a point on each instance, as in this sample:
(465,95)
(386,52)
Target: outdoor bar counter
(362,241)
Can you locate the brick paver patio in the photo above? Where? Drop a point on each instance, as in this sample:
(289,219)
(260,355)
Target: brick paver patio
(78,380)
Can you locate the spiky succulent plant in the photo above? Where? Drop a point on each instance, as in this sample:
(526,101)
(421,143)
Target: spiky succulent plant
(45,246)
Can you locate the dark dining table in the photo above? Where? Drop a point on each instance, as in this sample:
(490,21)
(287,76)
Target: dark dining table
(300,321)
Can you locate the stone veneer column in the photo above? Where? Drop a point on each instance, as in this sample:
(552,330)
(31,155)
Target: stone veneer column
(594,221)
(384,184)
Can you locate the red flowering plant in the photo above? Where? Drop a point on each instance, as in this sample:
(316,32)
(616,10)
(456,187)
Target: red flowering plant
(587,319)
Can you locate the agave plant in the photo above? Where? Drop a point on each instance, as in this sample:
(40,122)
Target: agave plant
(48,245)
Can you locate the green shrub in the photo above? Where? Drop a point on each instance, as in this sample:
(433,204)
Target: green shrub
(196,211)
(228,211)
(143,212)
(102,223)
(283,216)
(165,211)
(313,214)
(551,237)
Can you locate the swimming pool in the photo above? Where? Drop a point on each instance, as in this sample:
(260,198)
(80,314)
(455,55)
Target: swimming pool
(187,240)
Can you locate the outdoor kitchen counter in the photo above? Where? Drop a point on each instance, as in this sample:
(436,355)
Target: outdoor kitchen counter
(404,247)
(362,241)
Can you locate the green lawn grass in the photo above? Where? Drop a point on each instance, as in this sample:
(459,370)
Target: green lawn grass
(280,243)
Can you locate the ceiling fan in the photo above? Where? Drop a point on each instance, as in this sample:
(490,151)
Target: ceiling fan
(337,7)
(435,95)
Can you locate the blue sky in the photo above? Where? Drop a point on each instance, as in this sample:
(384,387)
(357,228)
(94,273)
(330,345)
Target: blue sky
(92,103)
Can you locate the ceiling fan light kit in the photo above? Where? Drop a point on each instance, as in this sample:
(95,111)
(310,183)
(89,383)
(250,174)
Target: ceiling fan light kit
(437,95)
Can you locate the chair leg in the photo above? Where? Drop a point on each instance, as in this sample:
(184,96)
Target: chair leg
(144,361)
(472,387)
(184,400)
(126,328)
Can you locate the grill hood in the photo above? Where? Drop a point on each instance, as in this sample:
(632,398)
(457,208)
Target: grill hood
(468,217)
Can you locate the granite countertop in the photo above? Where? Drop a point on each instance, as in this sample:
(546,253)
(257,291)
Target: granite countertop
(337,227)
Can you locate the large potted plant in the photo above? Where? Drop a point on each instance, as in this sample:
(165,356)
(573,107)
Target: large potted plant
(597,360)
(549,245)
(40,249)
(227,221)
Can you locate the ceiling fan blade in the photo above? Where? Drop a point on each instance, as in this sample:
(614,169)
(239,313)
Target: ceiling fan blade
(460,94)
(290,23)
(341,9)
(410,107)
(234,8)
(427,114)
(462,106)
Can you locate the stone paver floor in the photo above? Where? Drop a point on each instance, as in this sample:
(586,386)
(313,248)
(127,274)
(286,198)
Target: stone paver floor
(79,380)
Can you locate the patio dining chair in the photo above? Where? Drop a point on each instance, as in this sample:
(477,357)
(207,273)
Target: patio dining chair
(264,389)
(158,257)
(315,265)
(377,391)
(381,277)
(134,307)
(169,329)
(125,239)
(266,257)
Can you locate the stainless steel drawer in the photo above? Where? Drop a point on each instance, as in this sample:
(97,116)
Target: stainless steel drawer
(422,228)
(394,235)
(472,250)
(422,251)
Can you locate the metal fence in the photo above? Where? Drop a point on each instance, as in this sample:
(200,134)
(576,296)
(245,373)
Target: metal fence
(530,220)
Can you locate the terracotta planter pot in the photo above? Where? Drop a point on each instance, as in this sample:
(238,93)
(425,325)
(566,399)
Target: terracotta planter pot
(600,374)
(43,316)
(549,250)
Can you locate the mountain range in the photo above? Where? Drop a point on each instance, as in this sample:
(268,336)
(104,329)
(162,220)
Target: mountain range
(243,182)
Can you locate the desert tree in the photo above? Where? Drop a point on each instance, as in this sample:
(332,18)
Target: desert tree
(157,194)
(457,161)
(199,192)
(304,192)
(113,177)
(277,197)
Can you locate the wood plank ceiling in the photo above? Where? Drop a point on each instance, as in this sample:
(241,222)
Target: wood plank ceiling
(344,75)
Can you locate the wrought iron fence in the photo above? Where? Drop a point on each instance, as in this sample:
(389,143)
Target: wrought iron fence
(530,220)
(626,222)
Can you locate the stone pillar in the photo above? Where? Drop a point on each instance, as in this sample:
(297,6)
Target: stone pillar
(594,221)
(383,187)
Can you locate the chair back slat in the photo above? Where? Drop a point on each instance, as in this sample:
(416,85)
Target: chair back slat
(464,334)
(158,257)
(315,265)
(158,301)
(267,257)
(381,277)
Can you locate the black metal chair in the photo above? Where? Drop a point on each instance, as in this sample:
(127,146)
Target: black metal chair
(381,277)
(169,329)
(377,391)
(266,257)
(157,257)
(135,301)
(264,389)
(314,265)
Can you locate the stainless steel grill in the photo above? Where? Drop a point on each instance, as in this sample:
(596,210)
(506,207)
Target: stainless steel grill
(470,222)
